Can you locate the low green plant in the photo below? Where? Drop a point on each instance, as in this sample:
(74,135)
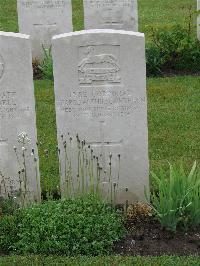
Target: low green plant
(81,226)
(153,61)
(174,48)
(8,231)
(176,199)
(46,66)
(8,205)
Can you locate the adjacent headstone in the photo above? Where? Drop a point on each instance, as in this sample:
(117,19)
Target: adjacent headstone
(42,19)
(100,89)
(115,14)
(198,20)
(18,151)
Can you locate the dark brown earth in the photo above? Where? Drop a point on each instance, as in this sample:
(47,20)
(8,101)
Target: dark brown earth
(148,238)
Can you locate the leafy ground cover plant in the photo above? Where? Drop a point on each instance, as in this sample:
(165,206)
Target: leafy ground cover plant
(176,199)
(8,206)
(81,226)
(8,231)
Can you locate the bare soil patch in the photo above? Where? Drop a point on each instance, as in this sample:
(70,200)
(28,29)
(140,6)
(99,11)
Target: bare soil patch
(148,238)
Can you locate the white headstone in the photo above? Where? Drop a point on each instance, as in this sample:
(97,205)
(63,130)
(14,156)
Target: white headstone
(42,19)
(17,118)
(100,89)
(115,14)
(198,20)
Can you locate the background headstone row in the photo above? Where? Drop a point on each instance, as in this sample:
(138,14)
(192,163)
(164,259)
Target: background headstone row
(44,19)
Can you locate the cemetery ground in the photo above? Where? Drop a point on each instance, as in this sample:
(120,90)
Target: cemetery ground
(173,117)
(173,137)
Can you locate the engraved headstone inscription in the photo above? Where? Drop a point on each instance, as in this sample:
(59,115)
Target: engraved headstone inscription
(18,150)
(198,20)
(100,89)
(115,14)
(42,19)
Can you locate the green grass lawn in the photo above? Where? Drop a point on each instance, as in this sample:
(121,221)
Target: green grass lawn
(174,124)
(152,13)
(100,261)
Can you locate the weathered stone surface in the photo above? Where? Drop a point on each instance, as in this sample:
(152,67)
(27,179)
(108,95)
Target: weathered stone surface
(100,89)
(198,20)
(42,19)
(114,14)
(17,118)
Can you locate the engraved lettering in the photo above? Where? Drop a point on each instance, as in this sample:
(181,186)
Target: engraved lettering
(44,4)
(8,105)
(100,102)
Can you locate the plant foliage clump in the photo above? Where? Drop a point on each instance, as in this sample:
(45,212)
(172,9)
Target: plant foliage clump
(46,67)
(82,226)
(176,199)
(8,232)
(173,49)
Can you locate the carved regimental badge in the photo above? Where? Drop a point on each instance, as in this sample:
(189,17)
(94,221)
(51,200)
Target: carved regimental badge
(2,66)
(98,67)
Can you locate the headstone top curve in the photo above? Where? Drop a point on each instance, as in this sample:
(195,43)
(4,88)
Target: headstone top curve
(13,34)
(94,31)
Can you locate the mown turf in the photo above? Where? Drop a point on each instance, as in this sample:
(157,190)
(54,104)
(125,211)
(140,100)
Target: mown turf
(174,120)
(46,125)
(162,14)
(152,13)
(101,261)
(174,124)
